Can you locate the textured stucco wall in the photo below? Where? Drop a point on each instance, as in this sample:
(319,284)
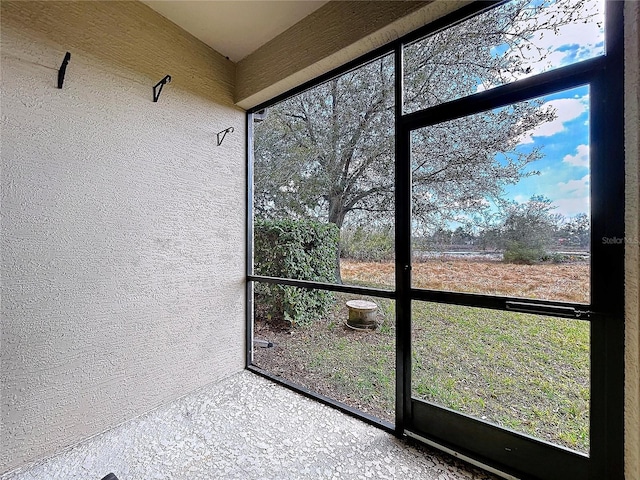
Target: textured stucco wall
(333,35)
(632,247)
(122,221)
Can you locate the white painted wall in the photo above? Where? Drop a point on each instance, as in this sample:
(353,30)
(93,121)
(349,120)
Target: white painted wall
(122,221)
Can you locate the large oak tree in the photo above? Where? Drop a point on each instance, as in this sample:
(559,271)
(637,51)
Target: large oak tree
(328,153)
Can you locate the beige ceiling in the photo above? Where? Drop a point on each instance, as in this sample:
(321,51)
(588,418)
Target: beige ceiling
(235,28)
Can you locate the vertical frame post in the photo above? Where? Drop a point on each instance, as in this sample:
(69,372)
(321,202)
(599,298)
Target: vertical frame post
(403,253)
(607,253)
(249,244)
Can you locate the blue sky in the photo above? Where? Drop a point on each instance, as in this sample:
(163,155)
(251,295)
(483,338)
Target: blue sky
(564,170)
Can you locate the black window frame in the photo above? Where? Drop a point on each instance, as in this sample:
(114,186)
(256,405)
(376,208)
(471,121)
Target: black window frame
(605,313)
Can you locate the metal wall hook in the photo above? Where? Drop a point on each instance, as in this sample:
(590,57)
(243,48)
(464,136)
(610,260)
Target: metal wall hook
(224,134)
(63,69)
(157,88)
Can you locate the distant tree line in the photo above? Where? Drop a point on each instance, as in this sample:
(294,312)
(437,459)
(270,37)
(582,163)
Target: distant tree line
(528,232)
(532,223)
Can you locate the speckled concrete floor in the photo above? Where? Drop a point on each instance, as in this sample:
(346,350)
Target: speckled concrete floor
(246,427)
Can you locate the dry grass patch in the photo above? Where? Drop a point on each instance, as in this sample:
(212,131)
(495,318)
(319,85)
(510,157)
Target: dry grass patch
(553,281)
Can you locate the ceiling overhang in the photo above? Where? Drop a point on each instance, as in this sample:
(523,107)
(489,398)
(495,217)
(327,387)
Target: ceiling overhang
(279,45)
(235,28)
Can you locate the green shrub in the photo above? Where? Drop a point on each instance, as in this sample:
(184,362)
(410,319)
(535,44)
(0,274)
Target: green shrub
(554,257)
(516,252)
(367,245)
(303,250)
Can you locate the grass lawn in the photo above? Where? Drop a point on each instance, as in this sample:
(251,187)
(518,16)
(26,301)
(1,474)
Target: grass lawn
(525,372)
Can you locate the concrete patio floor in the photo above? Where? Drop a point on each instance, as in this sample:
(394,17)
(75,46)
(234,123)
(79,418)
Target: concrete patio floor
(246,427)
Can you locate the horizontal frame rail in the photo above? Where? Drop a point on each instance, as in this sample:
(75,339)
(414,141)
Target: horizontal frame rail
(333,287)
(556,80)
(526,305)
(515,304)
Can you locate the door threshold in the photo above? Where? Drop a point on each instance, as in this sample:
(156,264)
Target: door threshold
(459,455)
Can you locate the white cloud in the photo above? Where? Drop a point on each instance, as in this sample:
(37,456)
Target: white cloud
(552,48)
(572,197)
(571,206)
(574,188)
(567,109)
(580,159)
(525,139)
(582,38)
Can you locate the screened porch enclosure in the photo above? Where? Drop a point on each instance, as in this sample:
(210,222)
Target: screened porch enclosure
(463,200)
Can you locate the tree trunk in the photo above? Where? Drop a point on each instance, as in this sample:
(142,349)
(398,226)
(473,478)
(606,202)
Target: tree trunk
(336,216)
